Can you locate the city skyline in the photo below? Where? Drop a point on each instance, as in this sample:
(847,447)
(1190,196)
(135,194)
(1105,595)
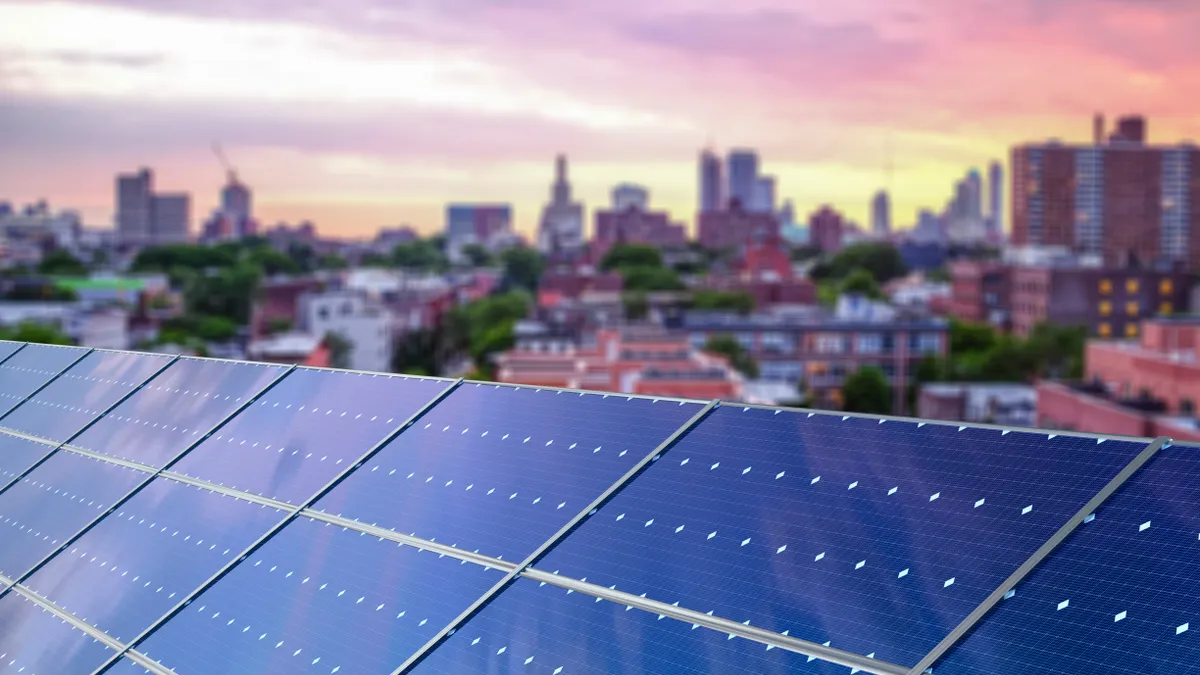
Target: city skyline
(473,110)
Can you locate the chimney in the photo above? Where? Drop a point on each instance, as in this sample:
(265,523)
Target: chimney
(1098,129)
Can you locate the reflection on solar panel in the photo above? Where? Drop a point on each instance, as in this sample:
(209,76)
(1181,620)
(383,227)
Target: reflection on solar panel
(195,516)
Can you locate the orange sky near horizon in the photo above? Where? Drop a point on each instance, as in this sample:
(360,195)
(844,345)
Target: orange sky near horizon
(360,114)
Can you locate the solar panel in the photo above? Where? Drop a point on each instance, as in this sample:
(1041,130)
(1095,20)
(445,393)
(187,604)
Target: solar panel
(17,455)
(1119,596)
(147,556)
(174,411)
(545,630)
(8,348)
(31,368)
(499,469)
(76,397)
(34,641)
(319,595)
(876,538)
(126,667)
(52,503)
(312,425)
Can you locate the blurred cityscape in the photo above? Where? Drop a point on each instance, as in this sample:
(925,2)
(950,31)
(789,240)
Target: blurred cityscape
(1077,316)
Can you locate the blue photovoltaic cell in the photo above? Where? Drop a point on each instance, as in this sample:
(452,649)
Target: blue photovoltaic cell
(877,537)
(312,425)
(126,667)
(82,394)
(547,630)
(17,455)
(176,409)
(1120,595)
(29,369)
(500,469)
(7,348)
(319,599)
(54,502)
(35,642)
(144,558)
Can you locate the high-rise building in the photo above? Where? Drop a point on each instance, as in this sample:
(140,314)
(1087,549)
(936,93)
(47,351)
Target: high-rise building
(974,195)
(561,229)
(764,195)
(1124,200)
(743,176)
(881,214)
(827,230)
(711,191)
(171,218)
(236,199)
(487,225)
(135,194)
(995,196)
(628,195)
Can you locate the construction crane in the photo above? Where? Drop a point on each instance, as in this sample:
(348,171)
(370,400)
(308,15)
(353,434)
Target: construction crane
(229,170)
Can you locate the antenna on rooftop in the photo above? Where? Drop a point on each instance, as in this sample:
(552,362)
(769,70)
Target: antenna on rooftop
(229,169)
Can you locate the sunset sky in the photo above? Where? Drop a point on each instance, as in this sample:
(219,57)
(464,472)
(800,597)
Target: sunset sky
(359,114)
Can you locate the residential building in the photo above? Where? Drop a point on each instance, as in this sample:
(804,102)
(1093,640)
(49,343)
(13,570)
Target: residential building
(365,324)
(763,200)
(486,225)
(827,230)
(102,327)
(628,195)
(171,221)
(630,361)
(561,229)
(134,218)
(283,235)
(981,292)
(821,348)
(995,211)
(736,227)
(634,225)
(1120,198)
(1004,403)
(711,186)
(277,303)
(881,214)
(302,349)
(764,272)
(742,172)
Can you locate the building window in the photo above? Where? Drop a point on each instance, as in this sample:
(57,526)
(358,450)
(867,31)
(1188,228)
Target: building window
(1187,406)
(1131,308)
(1104,330)
(1131,330)
(1105,308)
(1131,286)
(1165,287)
(1166,308)
(1105,287)
(868,344)
(831,343)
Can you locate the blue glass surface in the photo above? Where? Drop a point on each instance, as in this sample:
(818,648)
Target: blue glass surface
(306,430)
(176,409)
(146,556)
(29,369)
(1118,596)
(52,503)
(17,455)
(500,469)
(319,599)
(82,394)
(35,642)
(8,348)
(877,537)
(545,630)
(126,667)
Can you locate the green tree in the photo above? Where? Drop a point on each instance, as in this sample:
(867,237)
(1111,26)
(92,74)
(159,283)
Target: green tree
(938,275)
(339,350)
(881,259)
(967,337)
(637,307)
(278,325)
(866,390)
(625,256)
(420,255)
(805,253)
(737,301)
(1059,349)
(417,351)
(650,279)
(730,348)
(477,256)
(861,282)
(523,267)
(62,263)
(372,259)
(332,261)
(38,333)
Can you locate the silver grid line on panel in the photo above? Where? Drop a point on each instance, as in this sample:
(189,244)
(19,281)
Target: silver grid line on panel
(1038,556)
(290,516)
(150,477)
(541,550)
(88,425)
(47,383)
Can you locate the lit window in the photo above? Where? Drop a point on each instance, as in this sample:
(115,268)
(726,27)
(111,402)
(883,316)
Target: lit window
(1131,286)
(1166,308)
(1105,286)
(1104,330)
(1131,330)
(1105,308)
(1131,308)
(1165,286)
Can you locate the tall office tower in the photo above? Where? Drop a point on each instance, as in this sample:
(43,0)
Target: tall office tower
(881,214)
(974,205)
(711,187)
(171,217)
(561,227)
(764,195)
(743,175)
(1126,200)
(135,207)
(236,204)
(996,196)
(628,195)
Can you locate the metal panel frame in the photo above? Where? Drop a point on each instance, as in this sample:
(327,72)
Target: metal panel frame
(20,346)
(537,554)
(148,479)
(278,527)
(589,392)
(88,425)
(47,383)
(1038,556)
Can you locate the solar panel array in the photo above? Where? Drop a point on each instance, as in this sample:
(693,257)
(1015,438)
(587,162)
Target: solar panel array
(194,516)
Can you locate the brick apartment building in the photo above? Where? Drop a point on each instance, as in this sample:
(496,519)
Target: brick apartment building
(981,291)
(1119,197)
(1144,387)
(633,225)
(827,230)
(735,227)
